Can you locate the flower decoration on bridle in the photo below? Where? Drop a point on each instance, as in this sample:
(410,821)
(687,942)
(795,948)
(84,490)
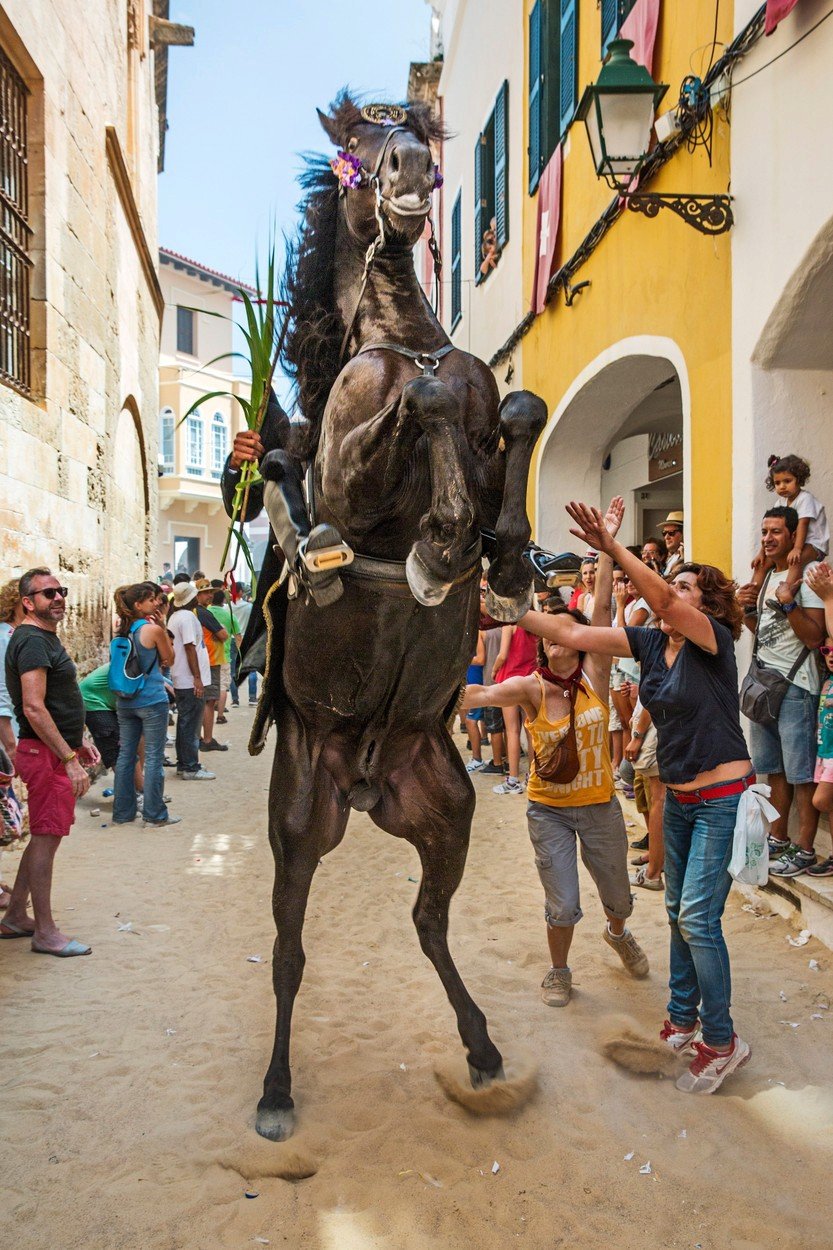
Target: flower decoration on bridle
(348,169)
(438,178)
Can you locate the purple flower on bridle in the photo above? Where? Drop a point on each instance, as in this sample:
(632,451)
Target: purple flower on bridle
(438,178)
(347,168)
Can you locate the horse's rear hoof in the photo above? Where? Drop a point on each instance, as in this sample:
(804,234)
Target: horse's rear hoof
(425,587)
(508,608)
(481,1080)
(275,1123)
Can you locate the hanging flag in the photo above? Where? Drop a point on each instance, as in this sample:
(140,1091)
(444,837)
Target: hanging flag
(641,27)
(776,11)
(546,231)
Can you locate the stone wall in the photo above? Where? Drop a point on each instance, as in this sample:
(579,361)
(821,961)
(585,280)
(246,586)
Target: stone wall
(78,459)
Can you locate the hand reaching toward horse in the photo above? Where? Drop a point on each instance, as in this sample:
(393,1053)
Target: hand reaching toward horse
(615,515)
(592,528)
(820,580)
(247,447)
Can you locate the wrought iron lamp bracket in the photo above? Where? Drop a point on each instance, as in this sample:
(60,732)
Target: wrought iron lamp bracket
(710,214)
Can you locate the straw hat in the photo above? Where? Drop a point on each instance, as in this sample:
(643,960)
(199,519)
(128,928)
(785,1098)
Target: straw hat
(673,518)
(203,584)
(184,593)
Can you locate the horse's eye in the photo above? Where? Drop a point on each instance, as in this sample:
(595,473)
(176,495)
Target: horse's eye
(352,145)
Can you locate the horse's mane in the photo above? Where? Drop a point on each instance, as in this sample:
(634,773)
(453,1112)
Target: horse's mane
(313,338)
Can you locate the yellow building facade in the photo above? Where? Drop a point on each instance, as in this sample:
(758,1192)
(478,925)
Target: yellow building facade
(636,372)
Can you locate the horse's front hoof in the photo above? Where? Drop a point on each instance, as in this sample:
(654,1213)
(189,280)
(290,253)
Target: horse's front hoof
(275,1123)
(425,587)
(482,1080)
(508,608)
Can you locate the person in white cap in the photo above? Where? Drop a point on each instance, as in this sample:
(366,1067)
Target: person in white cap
(672,531)
(190,674)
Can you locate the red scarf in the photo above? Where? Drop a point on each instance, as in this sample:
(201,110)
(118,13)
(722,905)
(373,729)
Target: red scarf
(570,685)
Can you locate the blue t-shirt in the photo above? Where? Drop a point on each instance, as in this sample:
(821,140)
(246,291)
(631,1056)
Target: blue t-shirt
(694,704)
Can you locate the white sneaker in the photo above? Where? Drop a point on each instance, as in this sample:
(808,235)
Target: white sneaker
(474,766)
(202,774)
(509,786)
(679,1040)
(709,1068)
(161,824)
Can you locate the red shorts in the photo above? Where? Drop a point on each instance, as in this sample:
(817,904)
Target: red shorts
(51,801)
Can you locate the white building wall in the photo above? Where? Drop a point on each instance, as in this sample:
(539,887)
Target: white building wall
(484,45)
(782,181)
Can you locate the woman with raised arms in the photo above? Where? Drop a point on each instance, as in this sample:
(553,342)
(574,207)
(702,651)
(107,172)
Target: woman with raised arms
(571,790)
(689,685)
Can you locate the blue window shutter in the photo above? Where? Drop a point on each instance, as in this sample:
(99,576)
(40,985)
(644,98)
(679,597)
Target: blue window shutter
(502,165)
(568,58)
(480,220)
(456,263)
(536,85)
(610,22)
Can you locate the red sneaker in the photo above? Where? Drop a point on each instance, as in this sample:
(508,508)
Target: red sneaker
(709,1068)
(679,1039)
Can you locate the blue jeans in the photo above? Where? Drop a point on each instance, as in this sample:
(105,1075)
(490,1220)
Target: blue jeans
(698,847)
(790,746)
(233,686)
(189,710)
(151,721)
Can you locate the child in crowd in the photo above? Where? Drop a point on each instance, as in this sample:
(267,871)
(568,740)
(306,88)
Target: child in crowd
(787,476)
(823,776)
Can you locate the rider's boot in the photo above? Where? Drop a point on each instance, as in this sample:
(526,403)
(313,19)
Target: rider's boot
(313,554)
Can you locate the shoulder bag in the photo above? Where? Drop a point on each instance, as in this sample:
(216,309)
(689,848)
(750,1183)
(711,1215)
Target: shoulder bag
(763,689)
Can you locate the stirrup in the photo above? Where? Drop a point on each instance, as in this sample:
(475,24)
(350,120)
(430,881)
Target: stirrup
(325,559)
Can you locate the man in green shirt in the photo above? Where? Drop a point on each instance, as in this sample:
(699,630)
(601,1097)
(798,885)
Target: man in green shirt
(224,614)
(100,713)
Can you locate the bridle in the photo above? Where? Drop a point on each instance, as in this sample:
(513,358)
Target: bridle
(381,239)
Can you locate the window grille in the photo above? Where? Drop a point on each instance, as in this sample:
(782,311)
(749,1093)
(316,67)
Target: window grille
(456,262)
(15,231)
(185,330)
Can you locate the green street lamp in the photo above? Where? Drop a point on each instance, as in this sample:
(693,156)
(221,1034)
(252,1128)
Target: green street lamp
(618,111)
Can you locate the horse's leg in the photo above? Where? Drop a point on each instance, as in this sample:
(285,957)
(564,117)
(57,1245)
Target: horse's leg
(428,800)
(307,818)
(447,529)
(522,418)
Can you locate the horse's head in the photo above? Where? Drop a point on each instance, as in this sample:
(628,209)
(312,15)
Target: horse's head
(384,161)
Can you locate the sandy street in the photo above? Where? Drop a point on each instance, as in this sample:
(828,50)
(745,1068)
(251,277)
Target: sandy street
(129,1079)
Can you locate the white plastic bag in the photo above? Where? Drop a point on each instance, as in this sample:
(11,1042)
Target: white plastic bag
(750,854)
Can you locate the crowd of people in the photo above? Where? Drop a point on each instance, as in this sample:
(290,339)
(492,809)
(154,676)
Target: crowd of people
(170,664)
(630,682)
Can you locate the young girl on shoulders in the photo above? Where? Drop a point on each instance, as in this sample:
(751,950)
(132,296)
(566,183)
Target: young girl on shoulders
(787,476)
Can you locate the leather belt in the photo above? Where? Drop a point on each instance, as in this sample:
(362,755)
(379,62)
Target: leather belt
(723,790)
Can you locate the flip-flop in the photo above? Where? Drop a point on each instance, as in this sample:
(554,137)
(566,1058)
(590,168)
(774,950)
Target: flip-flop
(72,948)
(9,930)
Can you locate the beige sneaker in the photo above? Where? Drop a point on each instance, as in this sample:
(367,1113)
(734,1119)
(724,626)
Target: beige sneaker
(557,986)
(629,951)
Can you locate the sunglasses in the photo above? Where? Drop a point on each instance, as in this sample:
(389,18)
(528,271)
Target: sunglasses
(826,650)
(669,533)
(52,591)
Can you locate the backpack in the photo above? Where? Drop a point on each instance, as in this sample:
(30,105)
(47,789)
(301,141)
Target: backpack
(127,677)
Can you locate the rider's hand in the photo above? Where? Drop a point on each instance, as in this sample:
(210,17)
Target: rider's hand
(247,446)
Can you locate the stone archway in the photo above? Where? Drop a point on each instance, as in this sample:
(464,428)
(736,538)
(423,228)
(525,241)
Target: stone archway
(128,499)
(637,387)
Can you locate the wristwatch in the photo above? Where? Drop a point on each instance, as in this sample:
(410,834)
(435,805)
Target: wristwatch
(636,734)
(787,608)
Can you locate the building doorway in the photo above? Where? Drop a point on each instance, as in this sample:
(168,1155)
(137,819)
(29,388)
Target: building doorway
(186,555)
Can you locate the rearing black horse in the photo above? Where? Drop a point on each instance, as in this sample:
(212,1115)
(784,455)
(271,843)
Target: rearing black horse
(412,455)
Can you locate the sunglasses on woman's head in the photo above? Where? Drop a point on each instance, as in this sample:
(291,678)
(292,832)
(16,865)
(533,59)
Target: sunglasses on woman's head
(51,591)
